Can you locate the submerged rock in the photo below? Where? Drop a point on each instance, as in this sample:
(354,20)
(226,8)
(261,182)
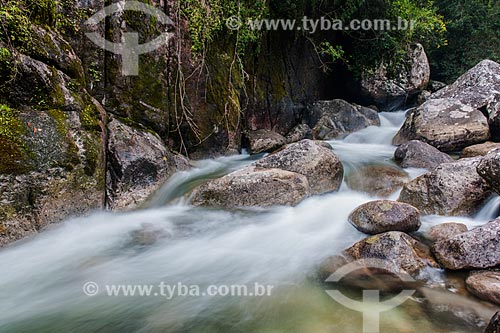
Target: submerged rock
(400,252)
(377,180)
(452,189)
(262,141)
(138,163)
(477,248)
(479,150)
(253,186)
(418,154)
(446,124)
(485,285)
(489,169)
(380,216)
(338,118)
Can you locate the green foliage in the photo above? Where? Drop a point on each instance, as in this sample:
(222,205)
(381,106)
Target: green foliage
(207,21)
(15,25)
(42,12)
(473,35)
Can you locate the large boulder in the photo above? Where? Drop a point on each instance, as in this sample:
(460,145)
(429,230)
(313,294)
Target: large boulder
(299,133)
(476,87)
(452,189)
(262,141)
(253,186)
(392,91)
(446,124)
(315,160)
(381,216)
(400,252)
(377,180)
(418,154)
(489,169)
(138,163)
(477,248)
(338,118)
(285,177)
(479,150)
(485,285)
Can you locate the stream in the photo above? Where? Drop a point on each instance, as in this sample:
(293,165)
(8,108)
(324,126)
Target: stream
(171,242)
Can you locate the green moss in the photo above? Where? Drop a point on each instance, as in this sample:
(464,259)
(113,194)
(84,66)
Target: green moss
(89,118)
(12,149)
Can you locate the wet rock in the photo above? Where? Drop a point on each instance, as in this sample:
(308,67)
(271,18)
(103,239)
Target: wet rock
(445,230)
(261,141)
(298,133)
(494,324)
(451,189)
(476,87)
(485,285)
(377,180)
(337,118)
(446,124)
(477,248)
(489,169)
(479,150)
(315,160)
(381,216)
(138,163)
(253,186)
(393,92)
(418,154)
(148,235)
(400,252)
(459,311)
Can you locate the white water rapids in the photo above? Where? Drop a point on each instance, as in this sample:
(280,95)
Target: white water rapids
(41,279)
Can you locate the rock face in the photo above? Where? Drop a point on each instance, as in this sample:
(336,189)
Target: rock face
(445,230)
(477,248)
(253,186)
(52,142)
(489,169)
(337,118)
(381,216)
(262,141)
(476,87)
(285,177)
(418,154)
(402,253)
(479,150)
(446,124)
(377,180)
(411,78)
(315,160)
(138,163)
(452,189)
(485,285)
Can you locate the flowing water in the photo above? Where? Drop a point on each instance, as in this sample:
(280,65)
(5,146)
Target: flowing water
(168,241)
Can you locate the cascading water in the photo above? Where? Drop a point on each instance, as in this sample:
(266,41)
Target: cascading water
(42,278)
